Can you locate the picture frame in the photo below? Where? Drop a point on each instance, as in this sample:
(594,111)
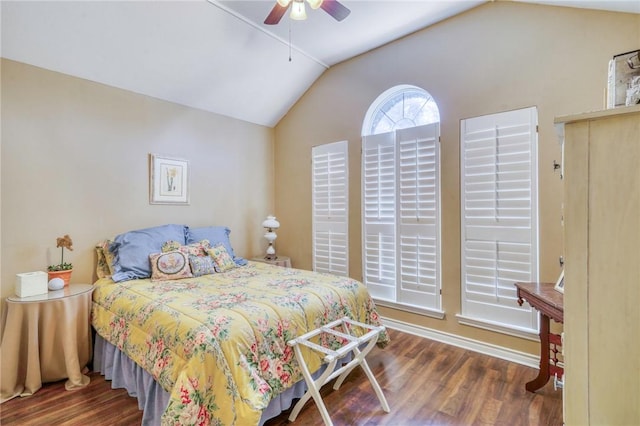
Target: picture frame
(168,180)
(560,283)
(624,73)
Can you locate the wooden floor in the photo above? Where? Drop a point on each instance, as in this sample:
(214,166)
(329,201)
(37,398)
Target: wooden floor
(425,383)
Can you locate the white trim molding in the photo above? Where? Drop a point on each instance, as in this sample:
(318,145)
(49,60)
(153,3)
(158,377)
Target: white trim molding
(464,343)
(523,333)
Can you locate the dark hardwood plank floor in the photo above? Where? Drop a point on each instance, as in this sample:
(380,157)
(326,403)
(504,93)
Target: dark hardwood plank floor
(425,383)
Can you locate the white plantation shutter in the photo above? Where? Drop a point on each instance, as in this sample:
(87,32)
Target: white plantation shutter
(379,215)
(419,221)
(499,216)
(330,208)
(401,224)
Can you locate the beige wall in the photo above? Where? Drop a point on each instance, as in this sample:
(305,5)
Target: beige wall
(74,153)
(497,57)
(75,161)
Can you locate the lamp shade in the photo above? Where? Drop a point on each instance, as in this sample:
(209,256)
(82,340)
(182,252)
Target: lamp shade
(271,222)
(298,11)
(314,3)
(284,3)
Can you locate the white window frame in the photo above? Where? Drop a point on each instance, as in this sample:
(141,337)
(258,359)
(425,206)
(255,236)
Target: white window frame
(403,114)
(401,219)
(499,219)
(330,208)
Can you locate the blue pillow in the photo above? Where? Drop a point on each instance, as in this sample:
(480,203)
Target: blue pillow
(131,250)
(215,235)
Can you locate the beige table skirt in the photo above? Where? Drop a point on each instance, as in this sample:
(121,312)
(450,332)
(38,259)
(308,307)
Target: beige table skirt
(45,341)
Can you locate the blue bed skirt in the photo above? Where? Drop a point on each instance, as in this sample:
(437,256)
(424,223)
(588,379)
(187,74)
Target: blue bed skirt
(152,399)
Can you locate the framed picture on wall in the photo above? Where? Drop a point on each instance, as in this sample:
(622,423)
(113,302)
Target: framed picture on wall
(560,283)
(168,180)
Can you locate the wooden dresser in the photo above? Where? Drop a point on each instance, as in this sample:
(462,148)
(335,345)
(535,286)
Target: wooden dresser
(602,268)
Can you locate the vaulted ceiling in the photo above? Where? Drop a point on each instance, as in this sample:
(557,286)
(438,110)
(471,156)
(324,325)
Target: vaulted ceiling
(215,55)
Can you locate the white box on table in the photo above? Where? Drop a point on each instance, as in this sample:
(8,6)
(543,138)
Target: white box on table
(31,284)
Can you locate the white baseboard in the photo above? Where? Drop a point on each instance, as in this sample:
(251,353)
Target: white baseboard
(464,343)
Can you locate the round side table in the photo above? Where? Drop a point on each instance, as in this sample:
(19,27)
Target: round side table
(46,338)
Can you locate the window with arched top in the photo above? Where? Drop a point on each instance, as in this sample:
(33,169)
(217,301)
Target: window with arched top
(401,200)
(398,108)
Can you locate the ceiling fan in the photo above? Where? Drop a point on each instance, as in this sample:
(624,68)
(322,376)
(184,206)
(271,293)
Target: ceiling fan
(334,8)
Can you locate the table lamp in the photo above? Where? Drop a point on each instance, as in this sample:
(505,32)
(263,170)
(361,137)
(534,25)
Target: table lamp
(270,224)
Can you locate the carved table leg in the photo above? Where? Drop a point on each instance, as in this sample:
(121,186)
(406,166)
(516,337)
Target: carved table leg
(543,374)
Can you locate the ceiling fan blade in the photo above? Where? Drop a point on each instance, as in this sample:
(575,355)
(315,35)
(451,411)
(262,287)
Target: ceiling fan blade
(276,14)
(335,9)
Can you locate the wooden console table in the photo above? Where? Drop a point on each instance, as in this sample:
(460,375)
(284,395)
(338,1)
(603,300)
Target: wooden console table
(549,302)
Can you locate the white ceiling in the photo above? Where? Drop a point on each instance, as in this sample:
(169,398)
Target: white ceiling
(215,55)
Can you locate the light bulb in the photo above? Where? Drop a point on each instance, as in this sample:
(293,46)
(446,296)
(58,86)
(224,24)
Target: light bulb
(298,11)
(314,3)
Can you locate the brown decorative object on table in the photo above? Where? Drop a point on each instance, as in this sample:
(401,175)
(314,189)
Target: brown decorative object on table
(62,270)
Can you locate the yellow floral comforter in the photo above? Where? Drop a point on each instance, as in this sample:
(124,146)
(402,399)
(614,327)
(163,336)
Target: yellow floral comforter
(217,343)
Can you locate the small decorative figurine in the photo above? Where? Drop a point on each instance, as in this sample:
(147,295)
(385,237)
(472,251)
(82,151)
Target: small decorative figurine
(56,284)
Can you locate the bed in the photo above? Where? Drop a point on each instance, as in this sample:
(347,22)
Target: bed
(210,345)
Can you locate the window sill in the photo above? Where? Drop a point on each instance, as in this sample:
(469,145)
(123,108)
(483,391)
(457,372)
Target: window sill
(408,308)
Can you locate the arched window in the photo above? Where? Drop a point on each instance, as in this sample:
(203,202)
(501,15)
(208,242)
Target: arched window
(399,108)
(401,200)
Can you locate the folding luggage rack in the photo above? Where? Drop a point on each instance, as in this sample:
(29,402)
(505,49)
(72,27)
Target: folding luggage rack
(332,357)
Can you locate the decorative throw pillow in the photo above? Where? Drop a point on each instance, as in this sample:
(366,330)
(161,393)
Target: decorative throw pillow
(171,265)
(106,260)
(171,245)
(215,235)
(102,269)
(202,265)
(197,249)
(221,257)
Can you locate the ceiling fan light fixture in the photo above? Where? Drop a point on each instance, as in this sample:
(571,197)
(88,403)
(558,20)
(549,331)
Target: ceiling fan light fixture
(298,11)
(314,3)
(333,7)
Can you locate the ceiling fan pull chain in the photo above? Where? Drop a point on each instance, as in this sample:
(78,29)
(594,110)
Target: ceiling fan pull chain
(289,40)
